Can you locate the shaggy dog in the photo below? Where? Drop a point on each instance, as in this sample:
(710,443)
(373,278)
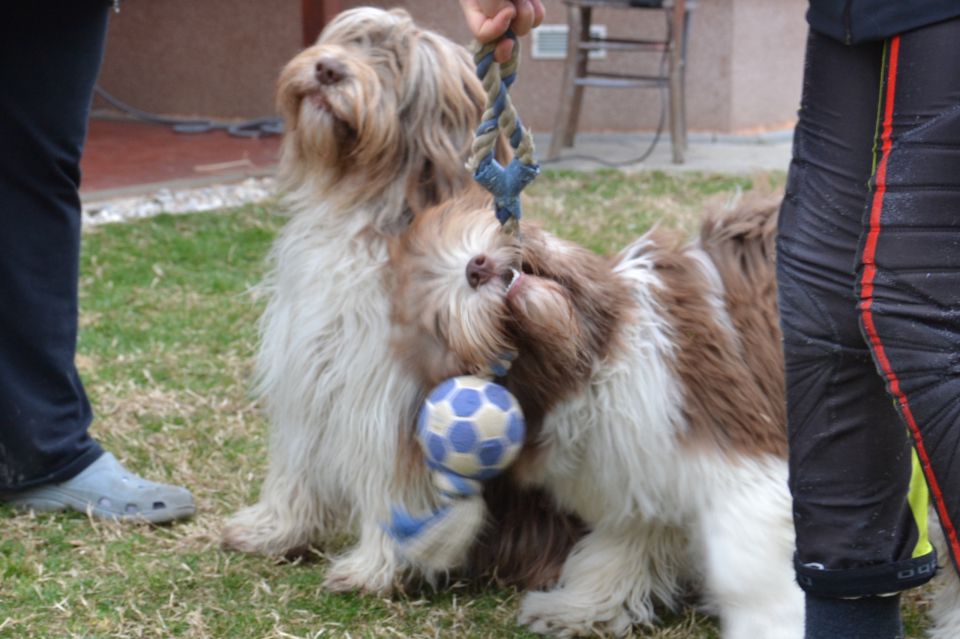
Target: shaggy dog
(379,116)
(653,390)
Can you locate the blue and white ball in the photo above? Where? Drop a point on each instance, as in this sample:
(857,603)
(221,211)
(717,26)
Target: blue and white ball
(472,428)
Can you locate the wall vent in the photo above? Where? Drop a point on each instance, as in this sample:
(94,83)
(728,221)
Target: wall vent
(550,41)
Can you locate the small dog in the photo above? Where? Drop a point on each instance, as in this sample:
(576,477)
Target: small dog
(653,390)
(380,116)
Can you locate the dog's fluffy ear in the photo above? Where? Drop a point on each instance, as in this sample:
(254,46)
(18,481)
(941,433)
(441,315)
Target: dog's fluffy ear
(442,101)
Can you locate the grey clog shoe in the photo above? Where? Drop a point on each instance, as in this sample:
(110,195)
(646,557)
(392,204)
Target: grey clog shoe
(108,491)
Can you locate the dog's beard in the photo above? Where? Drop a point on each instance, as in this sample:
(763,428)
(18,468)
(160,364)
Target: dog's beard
(323,134)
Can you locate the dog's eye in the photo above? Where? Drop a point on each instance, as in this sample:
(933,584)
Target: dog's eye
(357,40)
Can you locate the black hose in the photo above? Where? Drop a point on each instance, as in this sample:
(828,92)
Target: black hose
(253,128)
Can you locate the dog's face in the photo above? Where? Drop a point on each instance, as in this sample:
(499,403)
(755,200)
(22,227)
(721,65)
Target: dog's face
(453,268)
(467,293)
(380,99)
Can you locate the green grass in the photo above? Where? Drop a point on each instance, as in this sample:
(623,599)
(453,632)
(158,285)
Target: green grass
(167,338)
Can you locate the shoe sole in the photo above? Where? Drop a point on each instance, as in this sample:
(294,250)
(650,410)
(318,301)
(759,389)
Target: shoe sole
(67,503)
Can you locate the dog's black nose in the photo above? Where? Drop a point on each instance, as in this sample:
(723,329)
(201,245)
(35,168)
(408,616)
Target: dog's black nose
(480,270)
(329,71)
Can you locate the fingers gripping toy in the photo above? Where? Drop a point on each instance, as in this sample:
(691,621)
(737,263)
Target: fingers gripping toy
(472,428)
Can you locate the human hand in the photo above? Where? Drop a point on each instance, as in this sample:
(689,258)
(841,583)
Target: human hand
(490,19)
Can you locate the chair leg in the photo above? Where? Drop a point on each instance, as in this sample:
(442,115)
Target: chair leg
(677,125)
(683,77)
(571,95)
(586,19)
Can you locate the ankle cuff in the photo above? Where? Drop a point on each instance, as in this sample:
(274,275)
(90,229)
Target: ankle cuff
(863,618)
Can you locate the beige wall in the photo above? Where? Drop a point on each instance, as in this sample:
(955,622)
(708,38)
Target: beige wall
(221,58)
(766,64)
(209,57)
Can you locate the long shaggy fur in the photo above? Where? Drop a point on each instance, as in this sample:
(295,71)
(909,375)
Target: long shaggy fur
(653,409)
(379,116)
(945,608)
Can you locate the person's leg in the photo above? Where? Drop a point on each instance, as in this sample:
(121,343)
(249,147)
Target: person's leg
(49,59)
(50,54)
(850,463)
(909,266)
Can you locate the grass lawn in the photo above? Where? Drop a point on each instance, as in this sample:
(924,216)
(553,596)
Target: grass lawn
(167,338)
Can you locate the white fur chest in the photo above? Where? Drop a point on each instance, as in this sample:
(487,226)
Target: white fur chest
(326,373)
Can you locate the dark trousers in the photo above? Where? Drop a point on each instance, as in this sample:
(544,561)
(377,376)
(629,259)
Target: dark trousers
(50,54)
(869,285)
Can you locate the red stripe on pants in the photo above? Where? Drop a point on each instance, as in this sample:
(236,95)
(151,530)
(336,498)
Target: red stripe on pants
(866,297)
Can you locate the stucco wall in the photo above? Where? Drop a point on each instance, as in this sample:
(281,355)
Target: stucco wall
(221,58)
(766,64)
(211,58)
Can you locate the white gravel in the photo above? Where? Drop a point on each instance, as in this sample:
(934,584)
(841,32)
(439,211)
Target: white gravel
(190,200)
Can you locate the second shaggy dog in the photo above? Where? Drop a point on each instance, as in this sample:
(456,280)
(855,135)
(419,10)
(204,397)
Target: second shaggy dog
(653,390)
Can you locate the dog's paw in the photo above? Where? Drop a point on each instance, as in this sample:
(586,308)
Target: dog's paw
(352,574)
(253,530)
(559,614)
(244,539)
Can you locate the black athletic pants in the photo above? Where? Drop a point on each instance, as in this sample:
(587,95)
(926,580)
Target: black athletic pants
(869,285)
(50,54)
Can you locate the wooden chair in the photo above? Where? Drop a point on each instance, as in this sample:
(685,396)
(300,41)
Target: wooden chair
(577,76)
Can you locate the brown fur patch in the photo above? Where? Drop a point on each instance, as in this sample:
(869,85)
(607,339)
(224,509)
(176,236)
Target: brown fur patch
(527,540)
(732,396)
(566,328)
(742,245)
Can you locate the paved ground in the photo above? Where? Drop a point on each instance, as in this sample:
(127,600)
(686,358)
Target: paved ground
(123,158)
(708,154)
(133,169)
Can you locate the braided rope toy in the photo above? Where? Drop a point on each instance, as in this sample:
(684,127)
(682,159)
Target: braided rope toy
(500,116)
(471,428)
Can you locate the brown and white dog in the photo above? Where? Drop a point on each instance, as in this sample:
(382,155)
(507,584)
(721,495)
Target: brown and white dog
(379,119)
(653,390)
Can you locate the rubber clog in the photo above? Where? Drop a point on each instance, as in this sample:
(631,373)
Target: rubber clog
(107,490)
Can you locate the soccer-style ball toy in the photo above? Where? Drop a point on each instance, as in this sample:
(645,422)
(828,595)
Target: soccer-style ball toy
(471,429)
